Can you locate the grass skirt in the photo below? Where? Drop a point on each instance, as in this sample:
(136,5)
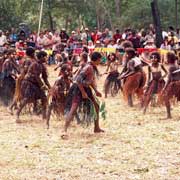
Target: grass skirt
(112,83)
(134,85)
(85,111)
(31,91)
(173,90)
(7,90)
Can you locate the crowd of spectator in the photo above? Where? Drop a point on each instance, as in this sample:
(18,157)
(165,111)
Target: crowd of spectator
(71,43)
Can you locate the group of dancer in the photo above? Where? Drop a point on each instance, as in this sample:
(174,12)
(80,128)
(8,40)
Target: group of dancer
(74,93)
(151,81)
(71,92)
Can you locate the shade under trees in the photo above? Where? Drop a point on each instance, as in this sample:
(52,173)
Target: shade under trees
(77,13)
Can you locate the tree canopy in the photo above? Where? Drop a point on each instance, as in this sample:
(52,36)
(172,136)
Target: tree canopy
(91,13)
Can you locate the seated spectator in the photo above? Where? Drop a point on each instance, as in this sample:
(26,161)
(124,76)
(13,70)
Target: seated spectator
(165,44)
(149,44)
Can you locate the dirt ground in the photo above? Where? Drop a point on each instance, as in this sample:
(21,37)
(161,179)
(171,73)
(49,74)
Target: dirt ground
(133,147)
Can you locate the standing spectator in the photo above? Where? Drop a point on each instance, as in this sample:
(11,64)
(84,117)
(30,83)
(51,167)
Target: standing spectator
(22,35)
(106,37)
(13,37)
(171,29)
(117,35)
(135,39)
(142,38)
(86,35)
(125,34)
(3,39)
(73,37)
(111,44)
(165,44)
(95,35)
(78,34)
(172,37)
(40,41)
(56,40)
(90,46)
(64,36)
(48,44)
(150,35)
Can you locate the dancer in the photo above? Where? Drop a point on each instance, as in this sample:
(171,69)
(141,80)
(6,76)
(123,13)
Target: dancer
(29,59)
(155,79)
(112,83)
(172,86)
(133,76)
(32,87)
(80,94)
(58,93)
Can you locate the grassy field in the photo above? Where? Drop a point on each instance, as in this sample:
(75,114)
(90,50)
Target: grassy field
(133,147)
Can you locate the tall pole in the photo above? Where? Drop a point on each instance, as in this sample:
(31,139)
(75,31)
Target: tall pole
(40,17)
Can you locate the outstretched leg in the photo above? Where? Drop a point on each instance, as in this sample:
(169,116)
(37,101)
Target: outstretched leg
(146,102)
(168,108)
(44,107)
(69,117)
(22,105)
(13,105)
(130,101)
(97,128)
(50,107)
(106,87)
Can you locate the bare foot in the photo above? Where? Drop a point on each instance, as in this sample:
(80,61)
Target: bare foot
(18,120)
(144,112)
(64,136)
(10,111)
(169,117)
(98,130)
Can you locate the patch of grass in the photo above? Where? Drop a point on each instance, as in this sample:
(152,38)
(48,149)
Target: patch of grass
(134,146)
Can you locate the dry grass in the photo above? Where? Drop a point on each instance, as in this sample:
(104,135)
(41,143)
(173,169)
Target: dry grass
(134,146)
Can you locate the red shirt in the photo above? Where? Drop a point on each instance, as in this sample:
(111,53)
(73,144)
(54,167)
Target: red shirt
(117,36)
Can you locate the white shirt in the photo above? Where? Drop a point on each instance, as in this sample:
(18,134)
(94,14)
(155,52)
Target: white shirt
(137,61)
(3,40)
(83,36)
(41,41)
(56,41)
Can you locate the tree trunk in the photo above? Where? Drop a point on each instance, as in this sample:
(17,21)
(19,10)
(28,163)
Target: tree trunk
(157,22)
(110,20)
(98,17)
(50,16)
(66,22)
(51,21)
(118,7)
(176,13)
(106,9)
